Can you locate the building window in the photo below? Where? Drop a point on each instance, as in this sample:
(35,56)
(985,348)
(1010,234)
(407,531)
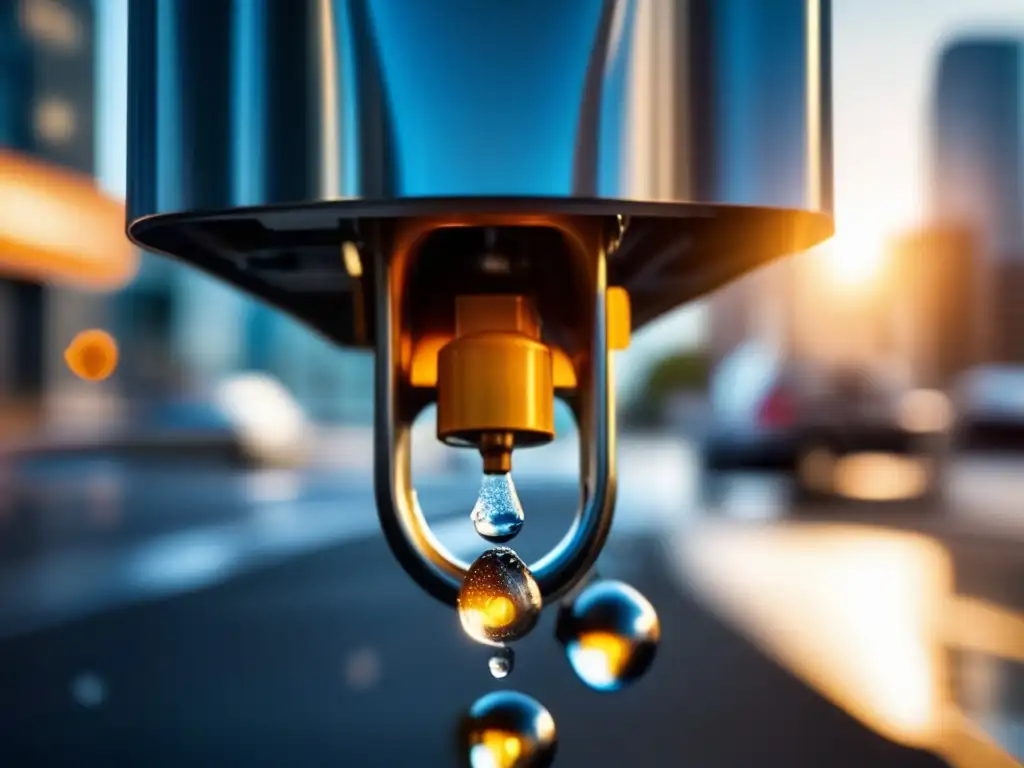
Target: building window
(51,23)
(55,121)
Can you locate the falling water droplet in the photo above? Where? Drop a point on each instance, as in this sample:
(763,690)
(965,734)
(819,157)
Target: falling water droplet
(502,663)
(507,729)
(610,633)
(498,515)
(499,600)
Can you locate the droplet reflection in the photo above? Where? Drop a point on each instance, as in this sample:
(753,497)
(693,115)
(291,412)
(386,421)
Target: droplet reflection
(501,663)
(507,729)
(499,601)
(498,515)
(610,633)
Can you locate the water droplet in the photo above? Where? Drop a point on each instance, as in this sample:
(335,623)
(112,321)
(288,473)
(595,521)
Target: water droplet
(610,633)
(502,663)
(498,515)
(507,729)
(499,600)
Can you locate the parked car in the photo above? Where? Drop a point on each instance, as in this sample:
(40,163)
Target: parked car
(872,440)
(989,404)
(752,420)
(828,426)
(250,420)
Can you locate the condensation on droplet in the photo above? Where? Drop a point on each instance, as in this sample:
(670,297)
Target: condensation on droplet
(497,515)
(610,633)
(507,729)
(501,663)
(499,601)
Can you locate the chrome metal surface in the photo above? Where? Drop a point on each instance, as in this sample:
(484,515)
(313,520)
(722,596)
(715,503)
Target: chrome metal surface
(423,557)
(264,132)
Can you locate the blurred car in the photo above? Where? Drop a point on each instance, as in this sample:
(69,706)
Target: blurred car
(249,420)
(989,403)
(753,411)
(872,440)
(843,430)
(271,427)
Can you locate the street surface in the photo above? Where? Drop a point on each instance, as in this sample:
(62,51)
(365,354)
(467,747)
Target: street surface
(169,616)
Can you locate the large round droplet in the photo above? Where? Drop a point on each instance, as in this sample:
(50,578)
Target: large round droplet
(610,633)
(507,729)
(499,601)
(501,663)
(497,515)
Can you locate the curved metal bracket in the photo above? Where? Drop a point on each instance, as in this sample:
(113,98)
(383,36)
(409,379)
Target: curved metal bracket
(413,544)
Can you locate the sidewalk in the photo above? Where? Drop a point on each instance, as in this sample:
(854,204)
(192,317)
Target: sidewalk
(89,425)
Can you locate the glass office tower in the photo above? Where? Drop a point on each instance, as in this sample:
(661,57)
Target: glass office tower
(978,141)
(977,167)
(46,110)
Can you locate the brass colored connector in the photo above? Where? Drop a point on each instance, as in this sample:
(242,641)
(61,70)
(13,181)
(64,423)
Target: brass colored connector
(495,388)
(423,370)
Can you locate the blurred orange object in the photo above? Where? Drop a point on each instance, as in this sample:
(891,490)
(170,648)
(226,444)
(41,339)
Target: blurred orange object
(57,226)
(92,355)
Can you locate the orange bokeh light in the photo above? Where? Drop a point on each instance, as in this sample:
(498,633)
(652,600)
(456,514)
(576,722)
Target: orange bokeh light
(57,226)
(92,355)
(500,611)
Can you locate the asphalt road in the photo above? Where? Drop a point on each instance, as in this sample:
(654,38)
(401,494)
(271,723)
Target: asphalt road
(81,535)
(325,653)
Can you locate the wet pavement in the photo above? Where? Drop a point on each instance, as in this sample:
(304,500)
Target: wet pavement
(247,619)
(81,535)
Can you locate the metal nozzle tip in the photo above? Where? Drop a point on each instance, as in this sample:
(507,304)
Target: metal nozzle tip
(496,451)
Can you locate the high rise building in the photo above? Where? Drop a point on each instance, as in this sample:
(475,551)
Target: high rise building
(977,168)
(46,110)
(978,141)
